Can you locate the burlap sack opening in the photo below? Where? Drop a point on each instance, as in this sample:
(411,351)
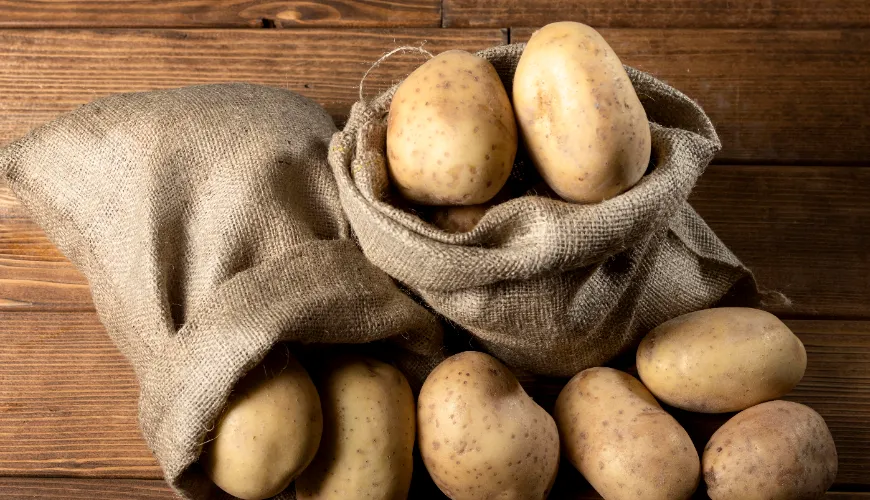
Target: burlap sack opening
(545,285)
(208,224)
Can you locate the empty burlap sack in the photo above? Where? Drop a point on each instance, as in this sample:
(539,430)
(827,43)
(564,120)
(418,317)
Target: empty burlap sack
(208,224)
(545,285)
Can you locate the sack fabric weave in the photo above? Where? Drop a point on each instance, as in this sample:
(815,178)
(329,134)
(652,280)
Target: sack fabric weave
(208,224)
(545,285)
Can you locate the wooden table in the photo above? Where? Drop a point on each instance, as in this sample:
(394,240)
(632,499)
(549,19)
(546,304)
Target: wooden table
(785,82)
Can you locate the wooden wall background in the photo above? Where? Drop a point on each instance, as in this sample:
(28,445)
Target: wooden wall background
(787,83)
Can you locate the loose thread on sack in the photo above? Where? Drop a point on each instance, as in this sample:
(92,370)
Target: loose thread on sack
(403,49)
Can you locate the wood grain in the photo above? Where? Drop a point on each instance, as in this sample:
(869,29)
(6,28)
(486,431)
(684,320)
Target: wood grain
(110,489)
(774,96)
(802,230)
(659,14)
(20,488)
(218,13)
(46,72)
(68,398)
(754,84)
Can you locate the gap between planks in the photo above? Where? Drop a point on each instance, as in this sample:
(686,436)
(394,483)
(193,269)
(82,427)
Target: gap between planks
(778,97)
(68,398)
(802,230)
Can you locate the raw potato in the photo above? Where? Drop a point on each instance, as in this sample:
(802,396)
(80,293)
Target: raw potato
(774,451)
(616,434)
(368,434)
(269,431)
(451,134)
(481,436)
(582,122)
(721,360)
(459,219)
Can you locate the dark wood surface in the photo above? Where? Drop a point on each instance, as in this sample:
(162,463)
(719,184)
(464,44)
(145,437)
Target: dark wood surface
(784,81)
(795,227)
(219,13)
(755,85)
(660,14)
(72,407)
(89,489)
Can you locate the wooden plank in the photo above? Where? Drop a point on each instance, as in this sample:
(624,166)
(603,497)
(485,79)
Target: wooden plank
(68,399)
(774,96)
(110,489)
(802,230)
(20,488)
(44,73)
(218,13)
(657,14)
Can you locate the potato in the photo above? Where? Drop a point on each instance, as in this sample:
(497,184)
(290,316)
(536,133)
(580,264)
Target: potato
(451,134)
(582,122)
(774,451)
(459,219)
(368,434)
(481,436)
(616,434)
(269,431)
(721,360)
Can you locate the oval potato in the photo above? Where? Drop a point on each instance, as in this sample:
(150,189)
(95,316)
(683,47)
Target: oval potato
(481,436)
(269,431)
(368,434)
(616,434)
(777,450)
(721,360)
(582,122)
(451,133)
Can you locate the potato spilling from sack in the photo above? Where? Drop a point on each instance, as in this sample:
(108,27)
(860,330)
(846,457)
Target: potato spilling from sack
(368,434)
(721,360)
(581,120)
(481,436)
(777,450)
(451,134)
(616,434)
(269,431)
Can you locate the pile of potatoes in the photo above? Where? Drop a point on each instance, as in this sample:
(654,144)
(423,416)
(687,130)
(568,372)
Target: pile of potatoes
(453,132)
(350,434)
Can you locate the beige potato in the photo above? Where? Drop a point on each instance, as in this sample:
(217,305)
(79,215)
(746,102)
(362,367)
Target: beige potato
(721,360)
(451,134)
(459,219)
(582,122)
(481,436)
(773,451)
(616,434)
(368,434)
(269,431)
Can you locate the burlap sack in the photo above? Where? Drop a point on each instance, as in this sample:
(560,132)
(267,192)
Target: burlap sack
(208,224)
(546,285)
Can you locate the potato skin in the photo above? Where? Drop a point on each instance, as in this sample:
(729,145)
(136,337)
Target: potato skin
(721,360)
(481,436)
(368,434)
(616,434)
(580,118)
(451,134)
(777,450)
(269,431)
(459,219)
